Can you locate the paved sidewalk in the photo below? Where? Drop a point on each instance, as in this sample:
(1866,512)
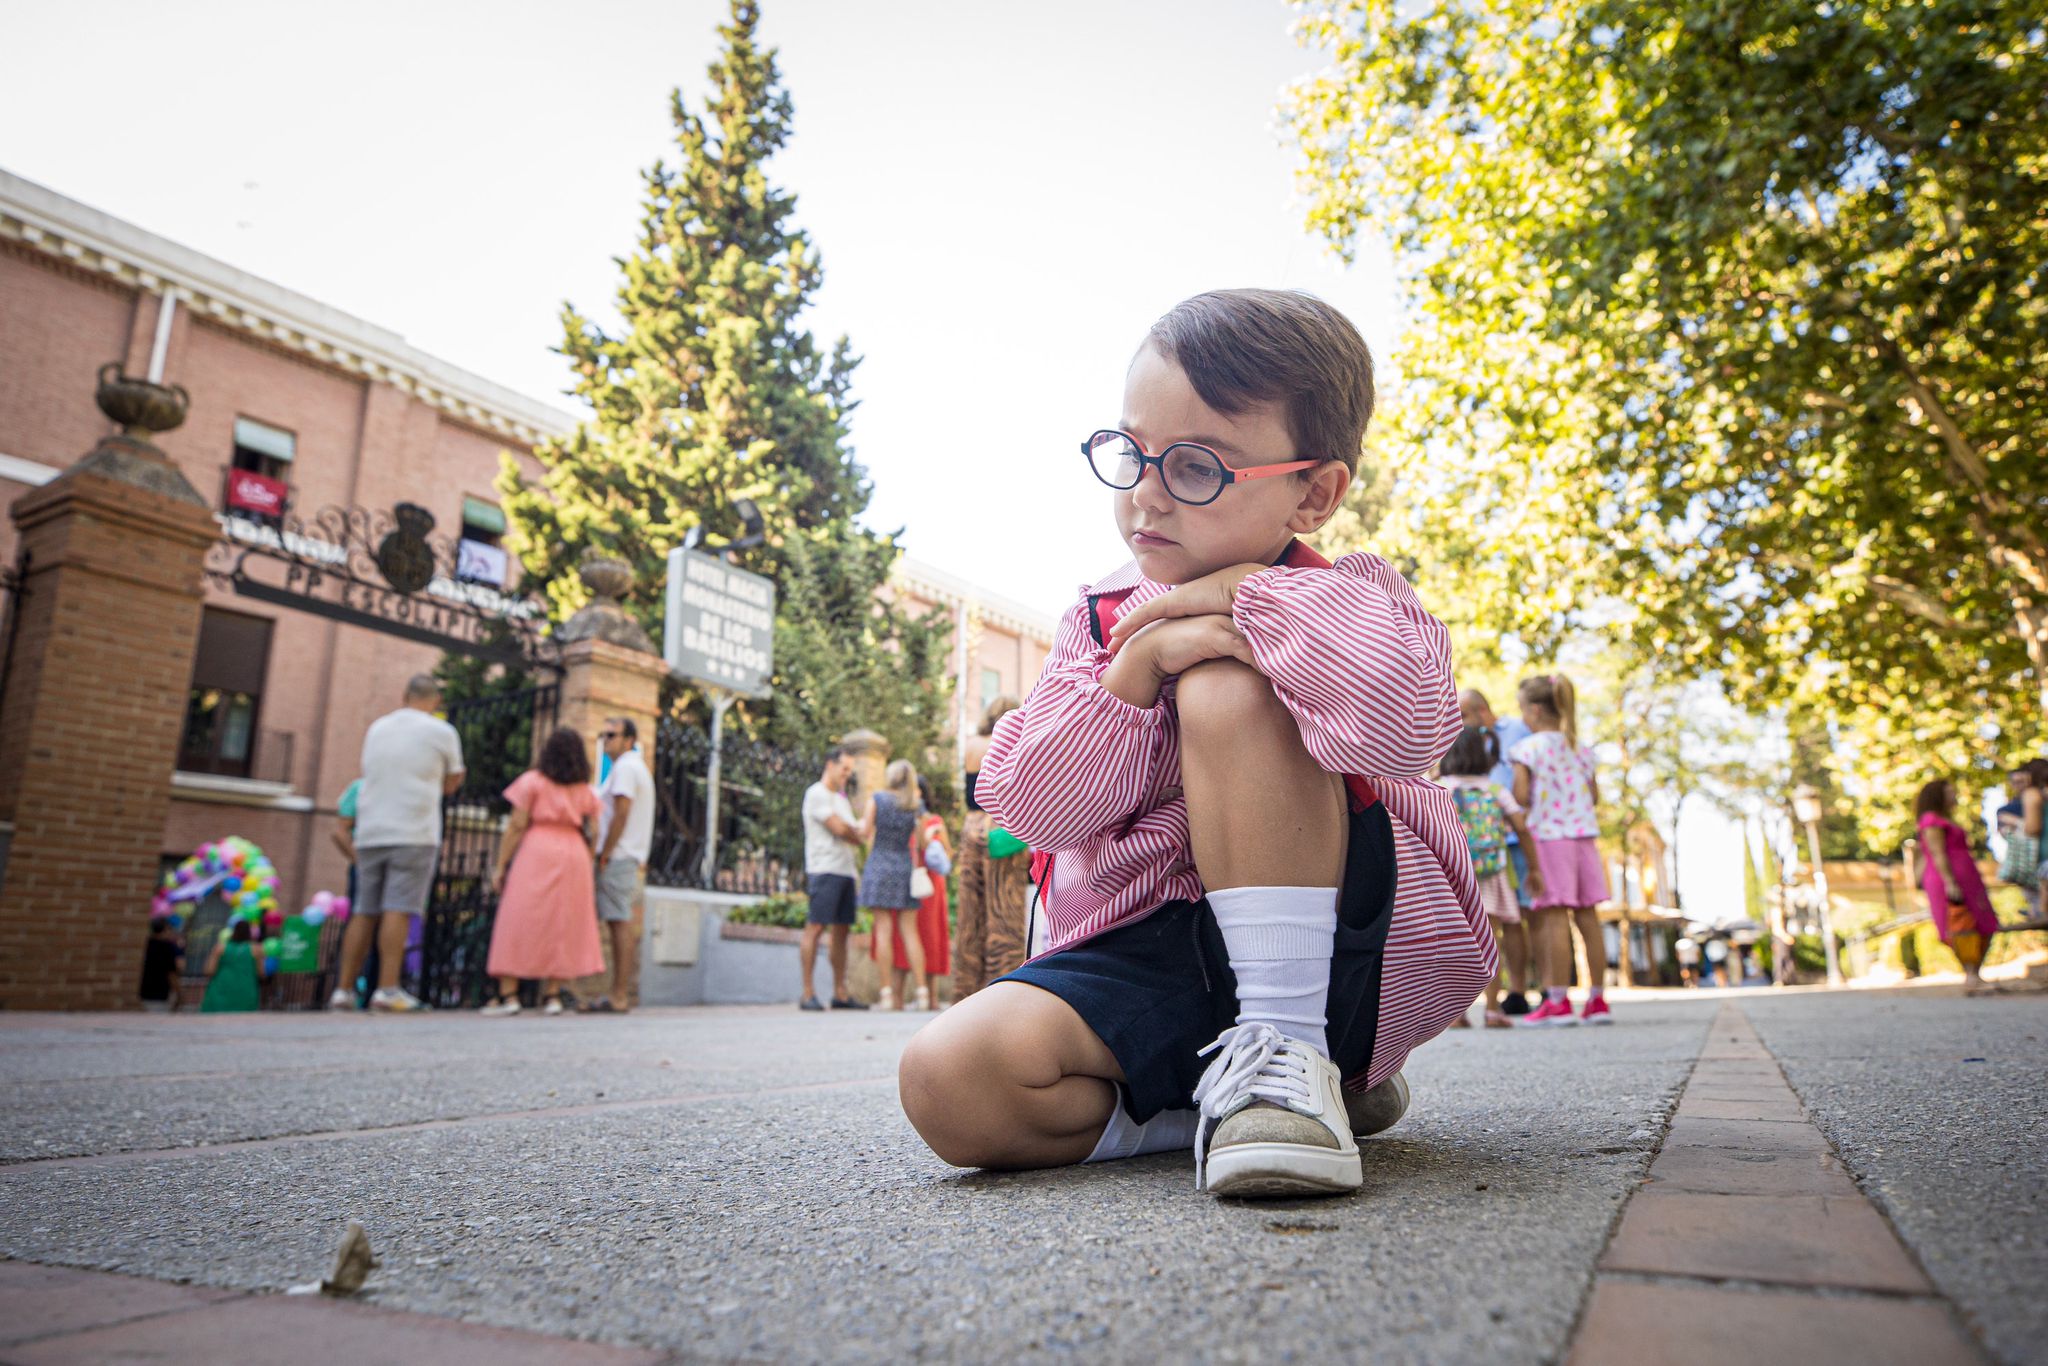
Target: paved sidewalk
(739,1183)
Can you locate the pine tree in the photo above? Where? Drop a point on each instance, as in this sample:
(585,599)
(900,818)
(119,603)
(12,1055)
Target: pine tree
(711,390)
(1752,884)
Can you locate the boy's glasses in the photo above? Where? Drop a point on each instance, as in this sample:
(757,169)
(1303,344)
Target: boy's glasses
(1189,473)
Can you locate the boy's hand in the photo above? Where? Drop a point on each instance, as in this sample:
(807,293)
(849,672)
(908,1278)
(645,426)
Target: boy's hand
(1212,595)
(1168,648)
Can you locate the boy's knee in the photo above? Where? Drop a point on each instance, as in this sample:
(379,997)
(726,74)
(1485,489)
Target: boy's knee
(941,1073)
(1222,692)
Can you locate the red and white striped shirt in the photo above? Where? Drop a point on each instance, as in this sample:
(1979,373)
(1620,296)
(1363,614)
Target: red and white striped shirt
(1366,672)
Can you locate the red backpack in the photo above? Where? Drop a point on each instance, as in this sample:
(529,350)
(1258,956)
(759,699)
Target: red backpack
(1103,611)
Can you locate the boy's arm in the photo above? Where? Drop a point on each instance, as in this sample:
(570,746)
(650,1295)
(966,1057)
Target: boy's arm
(1362,666)
(1075,759)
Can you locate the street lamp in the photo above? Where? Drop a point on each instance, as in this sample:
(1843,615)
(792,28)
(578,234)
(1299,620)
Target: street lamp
(1806,806)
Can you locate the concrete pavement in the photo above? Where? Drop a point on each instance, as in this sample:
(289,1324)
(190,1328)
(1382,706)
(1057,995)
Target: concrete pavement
(739,1183)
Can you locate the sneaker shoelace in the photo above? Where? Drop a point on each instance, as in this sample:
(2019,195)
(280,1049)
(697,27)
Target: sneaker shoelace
(1253,1062)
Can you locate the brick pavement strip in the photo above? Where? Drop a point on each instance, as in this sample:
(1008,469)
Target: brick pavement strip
(1748,1242)
(54,1316)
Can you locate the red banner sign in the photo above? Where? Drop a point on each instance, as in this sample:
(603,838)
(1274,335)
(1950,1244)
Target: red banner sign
(257,494)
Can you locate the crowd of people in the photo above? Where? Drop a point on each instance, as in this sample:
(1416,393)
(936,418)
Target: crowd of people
(891,859)
(1941,857)
(569,873)
(1527,795)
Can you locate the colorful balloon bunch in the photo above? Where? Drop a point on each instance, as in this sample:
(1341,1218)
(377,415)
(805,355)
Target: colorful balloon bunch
(323,907)
(237,871)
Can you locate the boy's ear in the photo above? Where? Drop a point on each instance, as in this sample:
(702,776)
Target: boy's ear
(1321,495)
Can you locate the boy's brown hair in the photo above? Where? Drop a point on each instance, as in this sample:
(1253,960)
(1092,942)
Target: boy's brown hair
(1239,347)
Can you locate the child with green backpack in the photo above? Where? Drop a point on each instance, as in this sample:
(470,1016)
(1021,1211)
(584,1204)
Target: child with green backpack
(1488,811)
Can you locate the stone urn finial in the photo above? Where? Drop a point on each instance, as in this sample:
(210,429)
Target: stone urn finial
(607,578)
(142,407)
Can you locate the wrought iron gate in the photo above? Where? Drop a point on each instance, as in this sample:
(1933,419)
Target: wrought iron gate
(499,739)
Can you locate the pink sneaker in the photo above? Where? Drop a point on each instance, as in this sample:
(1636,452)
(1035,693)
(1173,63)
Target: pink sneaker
(1596,1012)
(1550,1015)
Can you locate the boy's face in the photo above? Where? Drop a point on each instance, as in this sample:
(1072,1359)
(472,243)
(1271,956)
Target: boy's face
(1252,521)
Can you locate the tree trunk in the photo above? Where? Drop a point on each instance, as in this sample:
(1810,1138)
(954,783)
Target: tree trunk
(2032,620)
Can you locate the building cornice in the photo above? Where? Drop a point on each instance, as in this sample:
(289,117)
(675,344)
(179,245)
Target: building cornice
(104,245)
(936,585)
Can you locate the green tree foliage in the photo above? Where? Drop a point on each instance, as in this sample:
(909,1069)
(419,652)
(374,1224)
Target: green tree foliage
(1727,338)
(710,389)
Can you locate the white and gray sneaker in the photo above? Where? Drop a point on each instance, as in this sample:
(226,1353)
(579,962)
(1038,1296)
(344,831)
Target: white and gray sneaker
(342,999)
(395,1000)
(1273,1119)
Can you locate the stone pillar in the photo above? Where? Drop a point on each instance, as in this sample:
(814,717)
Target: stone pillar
(609,668)
(104,626)
(870,754)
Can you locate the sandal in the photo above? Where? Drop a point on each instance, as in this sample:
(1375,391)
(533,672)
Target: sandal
(601,1006)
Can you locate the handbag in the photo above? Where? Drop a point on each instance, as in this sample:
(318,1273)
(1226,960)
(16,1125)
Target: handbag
(920,883)
(1002,844)
(2021,865)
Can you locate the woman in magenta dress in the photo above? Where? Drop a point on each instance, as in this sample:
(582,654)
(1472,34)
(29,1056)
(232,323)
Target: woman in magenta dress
(1955,889)
(547,911)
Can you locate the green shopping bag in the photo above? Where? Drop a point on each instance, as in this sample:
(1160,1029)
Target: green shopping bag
(1002,844)
(298,946)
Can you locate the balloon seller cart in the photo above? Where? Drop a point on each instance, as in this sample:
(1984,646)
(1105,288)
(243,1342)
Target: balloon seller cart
(231,880)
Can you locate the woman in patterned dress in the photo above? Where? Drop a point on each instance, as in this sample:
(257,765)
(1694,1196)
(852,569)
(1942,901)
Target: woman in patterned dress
(885,879)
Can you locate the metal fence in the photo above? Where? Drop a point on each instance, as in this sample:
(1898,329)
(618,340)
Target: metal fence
(497,746)
(760,812)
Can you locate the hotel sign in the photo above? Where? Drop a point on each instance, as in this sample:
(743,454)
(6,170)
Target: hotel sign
(720,624)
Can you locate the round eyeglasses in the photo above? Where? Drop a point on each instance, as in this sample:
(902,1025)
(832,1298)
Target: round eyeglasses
(1190,473)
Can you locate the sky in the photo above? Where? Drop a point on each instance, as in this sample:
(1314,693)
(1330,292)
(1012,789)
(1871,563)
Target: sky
(1004,199)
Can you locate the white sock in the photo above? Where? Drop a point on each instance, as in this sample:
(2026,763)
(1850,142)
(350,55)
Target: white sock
(1168,1131)
(1280,940)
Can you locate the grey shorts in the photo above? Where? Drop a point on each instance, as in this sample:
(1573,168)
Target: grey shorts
(395,877)
(618,888)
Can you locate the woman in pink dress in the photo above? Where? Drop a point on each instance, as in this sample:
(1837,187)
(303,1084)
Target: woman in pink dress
(1956,897)
(547,911)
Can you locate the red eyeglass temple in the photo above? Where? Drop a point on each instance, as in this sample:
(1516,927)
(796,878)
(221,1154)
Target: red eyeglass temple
(1268,471)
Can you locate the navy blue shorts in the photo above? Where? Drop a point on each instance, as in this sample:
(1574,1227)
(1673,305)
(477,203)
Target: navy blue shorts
(833,899)
(1159,990)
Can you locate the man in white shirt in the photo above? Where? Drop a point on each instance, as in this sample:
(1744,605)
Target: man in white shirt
(411,760)
(625,835)
(830,838)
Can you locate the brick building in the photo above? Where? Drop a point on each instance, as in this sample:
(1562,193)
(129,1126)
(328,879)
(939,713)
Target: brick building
(295,400)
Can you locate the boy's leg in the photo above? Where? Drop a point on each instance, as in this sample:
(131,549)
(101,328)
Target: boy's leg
(1268,828)
(1010,1077)
(1261,812)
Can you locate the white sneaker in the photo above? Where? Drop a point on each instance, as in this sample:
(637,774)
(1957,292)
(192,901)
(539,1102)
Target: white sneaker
(342,999)
(553,1007)
(1273,1119)
(508,1005)
(395,1000)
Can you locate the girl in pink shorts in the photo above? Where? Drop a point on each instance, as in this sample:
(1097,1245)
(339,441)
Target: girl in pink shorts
(1554,780)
